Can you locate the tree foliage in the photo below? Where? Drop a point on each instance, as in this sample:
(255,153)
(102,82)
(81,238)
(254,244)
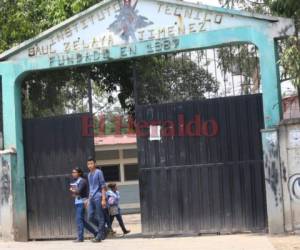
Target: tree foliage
(24,19)
(45,93)
(290,58)
(173,79)
(241,60)
(53,92)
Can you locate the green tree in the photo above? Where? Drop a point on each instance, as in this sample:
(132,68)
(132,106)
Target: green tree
(50,93)
(241,60)
(45,93)
(172,79)
(24,19)
(290,57)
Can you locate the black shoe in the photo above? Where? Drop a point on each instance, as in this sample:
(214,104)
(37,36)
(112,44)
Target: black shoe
(111,231)
(126,232)
(77,241)
(96,240)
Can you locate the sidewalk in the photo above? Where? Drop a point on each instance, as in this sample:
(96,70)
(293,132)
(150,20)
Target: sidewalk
(136,242)
(286,242)
(236,242)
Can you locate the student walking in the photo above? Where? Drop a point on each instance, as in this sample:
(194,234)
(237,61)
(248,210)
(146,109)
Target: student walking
(97,199)
(79,189)
(113,196)
(108,229)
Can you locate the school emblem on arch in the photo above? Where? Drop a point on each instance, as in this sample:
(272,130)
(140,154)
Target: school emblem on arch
(128,21)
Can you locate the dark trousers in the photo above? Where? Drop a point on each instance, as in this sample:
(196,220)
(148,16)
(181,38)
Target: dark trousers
(96,216)
(119,219)
(107,219)
(81,222)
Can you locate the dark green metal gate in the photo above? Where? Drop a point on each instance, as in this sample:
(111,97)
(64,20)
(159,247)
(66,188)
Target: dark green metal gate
(53,146)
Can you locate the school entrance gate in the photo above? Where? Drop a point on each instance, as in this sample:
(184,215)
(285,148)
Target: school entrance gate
(203,173)
(121,30)
(53,147)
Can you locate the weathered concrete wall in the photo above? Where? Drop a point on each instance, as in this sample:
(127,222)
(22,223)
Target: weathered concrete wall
(6,197)
(273,180)
(289,139)
(282,176)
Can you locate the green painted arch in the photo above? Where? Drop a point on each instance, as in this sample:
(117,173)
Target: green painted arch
(16,71)
(203,40)
(13,72)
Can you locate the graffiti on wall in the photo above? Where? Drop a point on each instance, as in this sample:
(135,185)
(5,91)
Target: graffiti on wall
(272,174)
(294,187)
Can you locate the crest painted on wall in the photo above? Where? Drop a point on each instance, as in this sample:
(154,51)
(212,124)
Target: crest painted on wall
(128,21)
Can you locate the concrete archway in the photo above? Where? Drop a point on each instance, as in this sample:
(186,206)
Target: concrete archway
(228,27)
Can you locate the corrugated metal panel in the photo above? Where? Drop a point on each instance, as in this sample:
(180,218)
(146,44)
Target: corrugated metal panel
(53,147)
(192,184)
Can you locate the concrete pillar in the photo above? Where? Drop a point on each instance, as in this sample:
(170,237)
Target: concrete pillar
(13,139)
(270,78)
(273,180)
(272,116)
(7,162)
(290,163)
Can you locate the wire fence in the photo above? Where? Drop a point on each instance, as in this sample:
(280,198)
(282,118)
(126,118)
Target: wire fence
(211,73)
(199,74)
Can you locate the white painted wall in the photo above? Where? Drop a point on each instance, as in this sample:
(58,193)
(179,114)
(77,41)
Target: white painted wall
(290,167)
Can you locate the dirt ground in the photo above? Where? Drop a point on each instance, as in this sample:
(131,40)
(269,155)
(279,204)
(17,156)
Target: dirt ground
(286,242)
(134,241)
(132,222)
(231,242)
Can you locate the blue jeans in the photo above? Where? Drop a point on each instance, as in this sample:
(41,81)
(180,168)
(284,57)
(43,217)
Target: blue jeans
(96,216)
(81,223)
